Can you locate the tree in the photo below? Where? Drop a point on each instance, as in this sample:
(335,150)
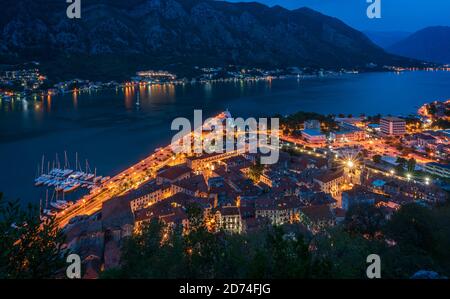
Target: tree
(441,124)
(432,108)
(412,229)
(401,161)
(412,225)
(266,253)
(376,159)
(255,172)
(364,219)
(29,247)
(411,165)
(346,252)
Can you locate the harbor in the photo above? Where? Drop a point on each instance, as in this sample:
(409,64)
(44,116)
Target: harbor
(61,180)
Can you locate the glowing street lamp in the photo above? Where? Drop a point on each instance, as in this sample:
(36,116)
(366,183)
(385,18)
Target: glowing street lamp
(350,164)
(392,172)
(408,176)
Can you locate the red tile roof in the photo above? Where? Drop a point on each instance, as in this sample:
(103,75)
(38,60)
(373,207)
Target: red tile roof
(317,213)
(329,176)
(174,172)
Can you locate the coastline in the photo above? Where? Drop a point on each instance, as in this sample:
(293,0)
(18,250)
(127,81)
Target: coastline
(107,121)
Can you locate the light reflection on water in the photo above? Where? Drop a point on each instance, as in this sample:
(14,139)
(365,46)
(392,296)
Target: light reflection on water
(111,130)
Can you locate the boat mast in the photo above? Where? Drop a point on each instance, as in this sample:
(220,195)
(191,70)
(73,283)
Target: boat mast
(57,162)
(66,161)
(42,165)
(88,168)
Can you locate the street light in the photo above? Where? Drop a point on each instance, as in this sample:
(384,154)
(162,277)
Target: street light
(350,164)
(408,176)
(392,171)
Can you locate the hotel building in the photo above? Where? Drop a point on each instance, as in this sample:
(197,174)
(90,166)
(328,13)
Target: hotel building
(392,126)
(313,136)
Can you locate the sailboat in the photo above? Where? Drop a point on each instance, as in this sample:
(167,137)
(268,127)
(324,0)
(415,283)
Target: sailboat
(72,187)
(55,203)
(138,99)
(67,170)
(89,175)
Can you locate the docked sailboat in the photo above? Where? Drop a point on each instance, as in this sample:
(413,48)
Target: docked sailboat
(50,212)
(72,187)
(64,179)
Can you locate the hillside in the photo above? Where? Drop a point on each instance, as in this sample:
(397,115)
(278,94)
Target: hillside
(430,44)
(115,38)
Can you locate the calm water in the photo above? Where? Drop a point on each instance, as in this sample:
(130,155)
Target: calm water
(110,130)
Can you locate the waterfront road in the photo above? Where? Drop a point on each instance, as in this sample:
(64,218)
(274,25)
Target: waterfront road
(129,179)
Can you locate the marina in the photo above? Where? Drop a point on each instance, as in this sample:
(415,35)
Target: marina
(63,180)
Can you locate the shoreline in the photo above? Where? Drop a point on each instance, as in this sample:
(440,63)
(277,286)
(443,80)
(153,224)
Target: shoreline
(100,86)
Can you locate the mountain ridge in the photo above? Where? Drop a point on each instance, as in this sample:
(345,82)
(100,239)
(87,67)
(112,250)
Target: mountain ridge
(158,32)
(429,44)
(386,39)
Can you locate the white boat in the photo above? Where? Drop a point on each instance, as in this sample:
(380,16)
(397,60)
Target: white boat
(38,182)
(104,179)
(89,176)
(64,204)
(67,172)
(75,175)
(61,186)
(98,178)
(56,206)
(71,187)
(50,212)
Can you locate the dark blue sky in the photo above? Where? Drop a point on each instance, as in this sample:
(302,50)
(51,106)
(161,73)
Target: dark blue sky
(397,15)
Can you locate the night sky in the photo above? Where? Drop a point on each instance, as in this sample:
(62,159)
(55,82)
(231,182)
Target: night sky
(397,15)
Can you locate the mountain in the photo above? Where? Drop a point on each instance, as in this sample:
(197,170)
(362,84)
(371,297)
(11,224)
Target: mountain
(115,38)
(385,39)
(430,44)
